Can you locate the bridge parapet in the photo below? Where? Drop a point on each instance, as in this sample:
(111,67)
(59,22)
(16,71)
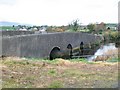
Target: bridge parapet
(14,33)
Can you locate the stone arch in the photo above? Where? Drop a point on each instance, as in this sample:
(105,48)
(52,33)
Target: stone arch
(55,53)
(82,48)
(69,46)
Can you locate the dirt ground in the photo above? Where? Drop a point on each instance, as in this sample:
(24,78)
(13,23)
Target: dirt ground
(59,73)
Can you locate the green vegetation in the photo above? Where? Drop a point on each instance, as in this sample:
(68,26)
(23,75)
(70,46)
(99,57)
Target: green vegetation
(114,59)
(78,30)
(91,27)
(84,30)
(7,28)
(74,25)
(111,35)
(57,61)
(52,72)
(56,84)
(82,60)
(58,73)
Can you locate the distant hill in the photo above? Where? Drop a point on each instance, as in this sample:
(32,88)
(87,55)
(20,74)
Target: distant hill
(6,23)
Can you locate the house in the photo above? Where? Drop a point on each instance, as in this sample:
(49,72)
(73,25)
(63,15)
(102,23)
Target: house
(106,26)
(101,26)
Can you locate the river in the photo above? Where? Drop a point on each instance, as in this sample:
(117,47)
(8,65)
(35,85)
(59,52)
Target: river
(108,49)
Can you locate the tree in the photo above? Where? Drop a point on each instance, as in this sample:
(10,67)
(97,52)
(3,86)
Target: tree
(91,27)
(74,25)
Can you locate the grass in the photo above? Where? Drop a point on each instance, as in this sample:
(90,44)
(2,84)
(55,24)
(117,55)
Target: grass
(58,73)
(7,28)
(55,84)
(82,60)
(52,72)
(79,30)
(84,30)
(114,59)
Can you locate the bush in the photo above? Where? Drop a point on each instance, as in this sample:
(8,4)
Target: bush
(111,35)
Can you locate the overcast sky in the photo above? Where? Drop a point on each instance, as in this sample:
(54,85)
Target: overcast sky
(59,12)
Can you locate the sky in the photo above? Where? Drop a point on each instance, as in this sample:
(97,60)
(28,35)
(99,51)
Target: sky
(59,12)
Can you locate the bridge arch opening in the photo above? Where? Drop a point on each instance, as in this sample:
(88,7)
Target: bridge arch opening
(82,48)
(55,53)
(69,47)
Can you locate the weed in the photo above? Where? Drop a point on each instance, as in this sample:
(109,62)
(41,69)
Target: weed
(52,72)
(56,84)
(10,84)
(30,78)
(115,59)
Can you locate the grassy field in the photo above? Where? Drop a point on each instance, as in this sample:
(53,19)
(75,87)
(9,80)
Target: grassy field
(79,30)
(58,73)
(7,28)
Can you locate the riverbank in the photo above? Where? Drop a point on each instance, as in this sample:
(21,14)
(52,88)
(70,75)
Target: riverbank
(58,73)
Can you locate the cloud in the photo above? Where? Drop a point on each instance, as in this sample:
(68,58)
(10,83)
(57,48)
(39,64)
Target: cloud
(8,2)
(58,12)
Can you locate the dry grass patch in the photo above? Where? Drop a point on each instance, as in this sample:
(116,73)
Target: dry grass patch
(59,73)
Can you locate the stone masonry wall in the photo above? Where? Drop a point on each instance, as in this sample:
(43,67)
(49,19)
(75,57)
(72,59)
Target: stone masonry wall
(40,45)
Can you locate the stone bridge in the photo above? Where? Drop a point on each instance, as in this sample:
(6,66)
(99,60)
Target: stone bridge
(43,45)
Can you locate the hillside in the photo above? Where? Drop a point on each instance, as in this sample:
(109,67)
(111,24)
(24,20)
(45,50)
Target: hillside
(7,23)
